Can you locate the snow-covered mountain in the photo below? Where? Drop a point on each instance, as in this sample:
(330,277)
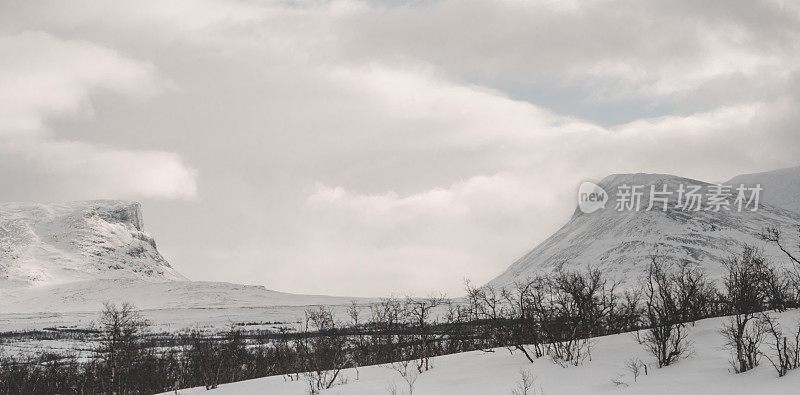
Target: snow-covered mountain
(781,187)
(49,244)
(74,256)
(620,243)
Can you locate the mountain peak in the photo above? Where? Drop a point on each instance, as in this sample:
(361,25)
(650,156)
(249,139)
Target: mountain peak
(44,244)
(615,180)
(621,242)
(781,187)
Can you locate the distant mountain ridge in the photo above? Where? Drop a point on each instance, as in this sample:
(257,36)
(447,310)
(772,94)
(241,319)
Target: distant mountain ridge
(48,244)
(89,296)
(621,243)
(781,187)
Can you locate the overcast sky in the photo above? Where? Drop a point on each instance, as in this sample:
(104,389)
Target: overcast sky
(369,148)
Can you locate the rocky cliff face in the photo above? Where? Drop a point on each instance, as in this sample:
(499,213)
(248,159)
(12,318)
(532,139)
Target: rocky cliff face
(620,243)
(47,244)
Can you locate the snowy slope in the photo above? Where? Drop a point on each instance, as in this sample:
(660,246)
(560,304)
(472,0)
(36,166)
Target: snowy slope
(88,296)
(71,257)
(620,243)
(781,187)
(707,371)
(48,244)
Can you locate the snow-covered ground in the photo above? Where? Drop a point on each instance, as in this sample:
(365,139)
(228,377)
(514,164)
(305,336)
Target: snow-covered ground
(706,371)
(171,320)
(88,296)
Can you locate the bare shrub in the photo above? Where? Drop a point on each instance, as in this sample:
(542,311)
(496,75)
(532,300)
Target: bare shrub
(121,344)
(784,353)
(322,350)
(487,305)
(749,284)
(524,317)
(525,384)
(619,382)
(419,313)
(572,308)
(668,294)
(773,235)
(205,360)
(636,367)
(787,282)
(408,373)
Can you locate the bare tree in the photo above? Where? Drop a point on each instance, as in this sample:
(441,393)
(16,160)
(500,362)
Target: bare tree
(205,359)
(629,314)
(420,313)
(787,282)
(488,306)
(773,235)
(746,292)
(585,306)
(522,327)
(785,353)
(120,343)
(667,335)
(387,322)
(322,349)
(360,340)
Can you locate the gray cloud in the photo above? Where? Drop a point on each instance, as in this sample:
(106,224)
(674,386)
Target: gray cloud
(44,78)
